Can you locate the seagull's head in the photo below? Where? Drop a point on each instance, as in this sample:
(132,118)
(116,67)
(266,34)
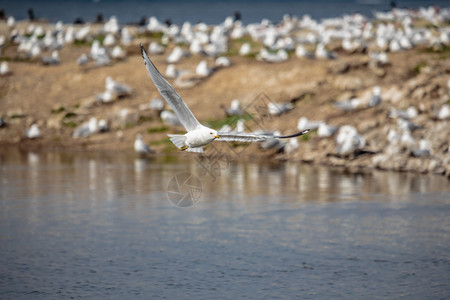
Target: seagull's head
(213,134)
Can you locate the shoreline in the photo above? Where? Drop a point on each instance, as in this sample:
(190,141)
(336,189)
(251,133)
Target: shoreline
(61,97)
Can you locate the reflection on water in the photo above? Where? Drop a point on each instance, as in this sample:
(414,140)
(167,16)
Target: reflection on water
(106,177)
(100,225)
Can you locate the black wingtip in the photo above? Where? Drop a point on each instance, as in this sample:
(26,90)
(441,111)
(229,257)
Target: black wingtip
(293,135)
(142,50)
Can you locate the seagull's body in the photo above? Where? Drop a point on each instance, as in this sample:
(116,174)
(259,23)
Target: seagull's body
(140,147)
(197,134)
(33,132)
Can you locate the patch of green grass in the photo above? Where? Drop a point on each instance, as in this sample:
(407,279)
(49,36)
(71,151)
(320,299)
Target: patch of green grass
(235,46)
(129,125)
(157,129)
(58,110)
(440,50)
(230,120)
(152,35)
(100,38)
(418,68)
(78,43)
(307,136)
(70,124)
(145,119)
(69,115)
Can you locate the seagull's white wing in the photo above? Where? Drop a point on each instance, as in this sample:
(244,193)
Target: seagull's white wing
(250,137)
(168,92)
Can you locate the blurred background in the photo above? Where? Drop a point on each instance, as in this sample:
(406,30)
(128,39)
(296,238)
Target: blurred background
(96,202)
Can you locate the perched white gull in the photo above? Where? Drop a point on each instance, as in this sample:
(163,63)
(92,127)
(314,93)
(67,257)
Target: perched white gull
(155,48)
(304,123)
(51,60)
(222,61)
(33,132)
(4,69)
(410,113)
(86,129)
(82,59)
(117,88)
(235,108)
(197,134)
(203,70)
(349,105)
(375,98)
(140,147)
(279,108)
(170,118)
(118,53)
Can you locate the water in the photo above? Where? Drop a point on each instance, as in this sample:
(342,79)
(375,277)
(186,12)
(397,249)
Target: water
(101,226)
(211,12)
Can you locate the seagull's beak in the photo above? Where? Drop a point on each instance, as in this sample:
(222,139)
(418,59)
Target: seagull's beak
(217,136)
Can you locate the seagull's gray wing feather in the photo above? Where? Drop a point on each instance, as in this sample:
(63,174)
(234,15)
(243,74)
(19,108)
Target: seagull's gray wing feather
(170,95)
(250,137)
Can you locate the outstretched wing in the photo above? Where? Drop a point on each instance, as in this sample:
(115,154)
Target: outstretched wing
(177,104)
(250,137)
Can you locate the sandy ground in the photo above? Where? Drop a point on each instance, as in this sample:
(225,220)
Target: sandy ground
(60,97)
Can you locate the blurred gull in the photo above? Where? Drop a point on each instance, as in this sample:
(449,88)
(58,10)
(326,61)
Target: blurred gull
(117,52)
(352,104)
(51,60)
(140,147)
(407,125)
(300,51)
(117,88)
(348,140)
(176,55)
(83,59)
(321,52)
(280,56)
(240,126)
(155,48)
(303,123)
(443,113)
(279,108)
(325,130)
(203,70)
(157,104)
(109,40)
(2,123)
(197,135)
(410,113)
(4,68)
(106,97)
(235,108)
(423,149)
(170,118)
(103,125)
(33,132)
(380,58)
(375,98)
(245,49)
(86,129)
(171,71)
(222,61)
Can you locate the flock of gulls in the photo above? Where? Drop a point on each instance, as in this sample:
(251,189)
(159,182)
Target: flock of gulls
(266,41)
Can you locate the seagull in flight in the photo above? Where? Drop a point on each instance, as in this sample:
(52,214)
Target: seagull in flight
(197,134)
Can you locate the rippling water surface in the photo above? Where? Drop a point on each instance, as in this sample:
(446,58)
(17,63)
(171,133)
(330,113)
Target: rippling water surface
(102,226)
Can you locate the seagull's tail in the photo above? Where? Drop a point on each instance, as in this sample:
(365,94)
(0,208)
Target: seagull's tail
(178,140)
